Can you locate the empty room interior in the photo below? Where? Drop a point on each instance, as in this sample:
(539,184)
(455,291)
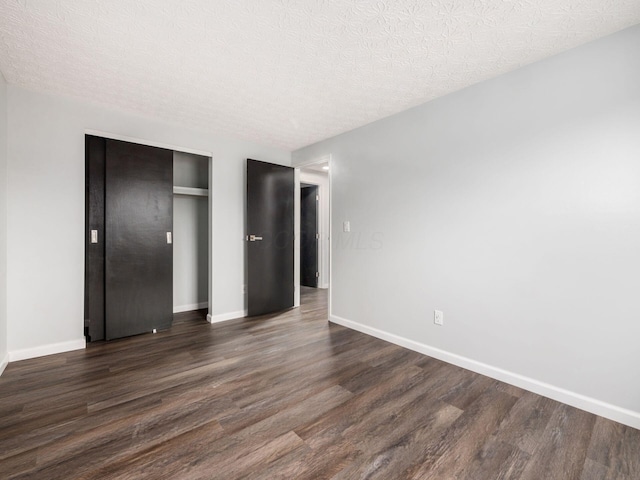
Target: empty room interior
(320,239)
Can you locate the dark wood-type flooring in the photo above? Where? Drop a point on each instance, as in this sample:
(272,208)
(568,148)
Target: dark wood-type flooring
(288,396)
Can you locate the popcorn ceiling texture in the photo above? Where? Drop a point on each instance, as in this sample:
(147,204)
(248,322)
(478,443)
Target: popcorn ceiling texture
(286,73)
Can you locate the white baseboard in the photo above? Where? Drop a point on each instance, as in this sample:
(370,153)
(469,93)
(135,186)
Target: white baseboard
(4,363)
(190,307)
(223,317)
(589,404)
(50,349)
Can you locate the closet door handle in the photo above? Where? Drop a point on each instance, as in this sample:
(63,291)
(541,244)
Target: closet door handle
(254,238)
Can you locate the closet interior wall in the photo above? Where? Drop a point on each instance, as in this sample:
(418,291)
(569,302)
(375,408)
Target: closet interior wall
(190,227)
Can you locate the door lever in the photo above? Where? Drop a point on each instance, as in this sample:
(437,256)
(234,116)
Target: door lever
(254,238)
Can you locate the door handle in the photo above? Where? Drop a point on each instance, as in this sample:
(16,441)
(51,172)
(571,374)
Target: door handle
(254,238)
(169,238)
(94,236)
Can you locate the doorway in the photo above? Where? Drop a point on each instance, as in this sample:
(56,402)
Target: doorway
(309,235)
(315,173)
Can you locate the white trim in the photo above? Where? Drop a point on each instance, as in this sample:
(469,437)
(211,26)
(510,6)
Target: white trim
(223,317)
(592,405)
(197,192)
(49,349)
(313,161)
(190,307)
(4,363)
(150,143)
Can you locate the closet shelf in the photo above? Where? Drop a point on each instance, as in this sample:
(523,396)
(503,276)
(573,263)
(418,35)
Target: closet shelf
(198,192)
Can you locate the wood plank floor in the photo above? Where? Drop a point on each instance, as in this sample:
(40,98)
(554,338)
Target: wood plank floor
(288,396)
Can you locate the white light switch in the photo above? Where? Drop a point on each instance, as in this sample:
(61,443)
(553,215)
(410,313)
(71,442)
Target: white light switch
(169,239)
(94,236)
(346,226)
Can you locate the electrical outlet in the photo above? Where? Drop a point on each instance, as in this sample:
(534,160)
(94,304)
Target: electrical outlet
(346,226)
(438,317)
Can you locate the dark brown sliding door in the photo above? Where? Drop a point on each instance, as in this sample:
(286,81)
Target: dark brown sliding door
(136,240)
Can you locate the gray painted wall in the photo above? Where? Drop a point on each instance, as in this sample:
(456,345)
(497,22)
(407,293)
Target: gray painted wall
(3,223)
(190,233)
(514,207)
(46,210)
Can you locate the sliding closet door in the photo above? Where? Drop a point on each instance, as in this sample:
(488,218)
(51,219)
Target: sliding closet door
(138,243)
(95,148)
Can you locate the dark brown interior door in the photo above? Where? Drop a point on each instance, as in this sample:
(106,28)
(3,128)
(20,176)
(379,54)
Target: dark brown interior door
(309,236)
(270,203)
(138,243)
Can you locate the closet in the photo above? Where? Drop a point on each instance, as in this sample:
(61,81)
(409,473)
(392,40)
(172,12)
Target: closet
(135,198)
(190,227)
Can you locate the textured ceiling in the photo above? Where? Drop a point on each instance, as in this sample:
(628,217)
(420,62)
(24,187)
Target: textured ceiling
(285,72)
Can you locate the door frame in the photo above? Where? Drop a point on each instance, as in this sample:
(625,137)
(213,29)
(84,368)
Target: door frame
(176,148)
(296,256)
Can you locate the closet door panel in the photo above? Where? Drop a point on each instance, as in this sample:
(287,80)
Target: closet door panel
(138,253)
(94,247)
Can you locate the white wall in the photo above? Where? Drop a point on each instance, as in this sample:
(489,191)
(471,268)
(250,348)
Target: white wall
(322,180)
(514,207)
(46,212)
(190,234)
(4,357)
